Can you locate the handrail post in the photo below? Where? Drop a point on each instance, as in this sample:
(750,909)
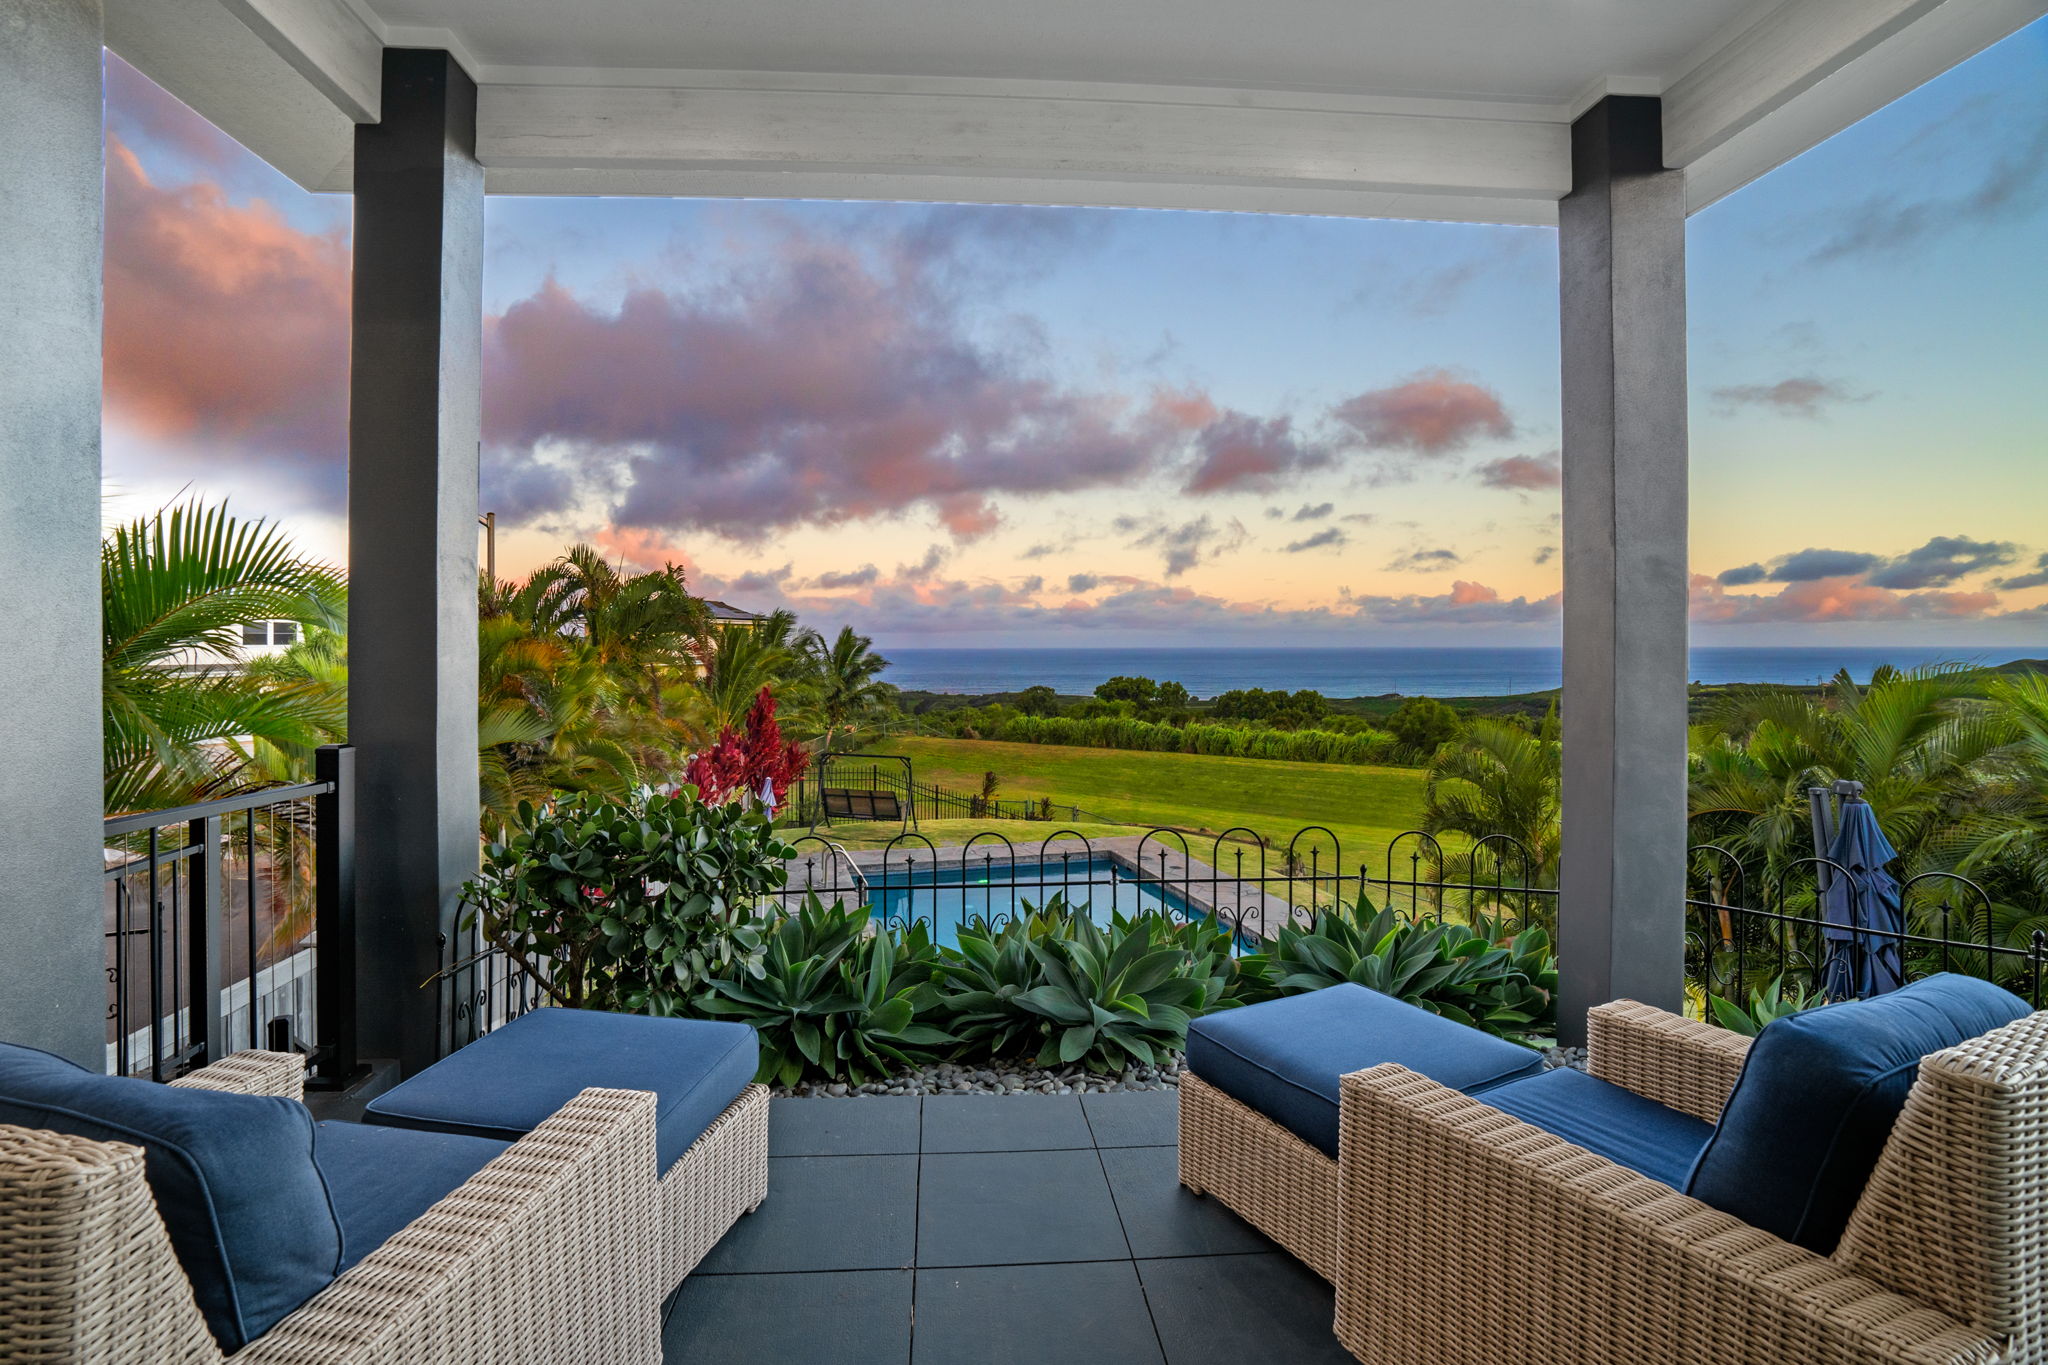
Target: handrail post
(334,913)
(208,1021)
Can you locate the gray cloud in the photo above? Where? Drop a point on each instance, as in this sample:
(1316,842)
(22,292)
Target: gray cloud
(1425,561)
(865,576)
(1329,537)
(1747,573)
(1801,396)
(1943,560)
(1186,544)
(2037,577)
(1806,565)
(1315,513)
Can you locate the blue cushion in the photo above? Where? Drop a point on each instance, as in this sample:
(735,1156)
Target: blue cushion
(1809,1116)
(1607,1120)
(383,1178)
(233,1177)
(1284,1057)
(506,1082)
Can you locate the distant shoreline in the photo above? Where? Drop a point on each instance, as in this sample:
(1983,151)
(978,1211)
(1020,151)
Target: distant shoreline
(1471,674)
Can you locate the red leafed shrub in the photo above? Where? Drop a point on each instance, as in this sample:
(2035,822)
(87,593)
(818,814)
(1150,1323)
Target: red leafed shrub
(742,763)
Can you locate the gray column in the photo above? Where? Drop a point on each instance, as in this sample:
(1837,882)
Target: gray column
(53,986)
(413,430)
(1621,244)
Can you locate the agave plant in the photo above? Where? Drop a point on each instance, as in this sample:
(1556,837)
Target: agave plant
(1506,985)
(1767,1003)
(829,996)
(1111,997)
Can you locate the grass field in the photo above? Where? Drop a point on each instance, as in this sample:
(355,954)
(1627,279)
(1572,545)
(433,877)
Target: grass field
(1365,807)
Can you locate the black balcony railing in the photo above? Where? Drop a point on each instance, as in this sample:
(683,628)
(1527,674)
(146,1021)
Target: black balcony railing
(230,925)
(1744,931)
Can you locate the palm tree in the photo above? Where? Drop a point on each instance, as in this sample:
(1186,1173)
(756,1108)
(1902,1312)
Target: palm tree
(1499,779)
(1916,741)
(2003,839)
(640,626)
(176,588)
(739,661)
(849,686)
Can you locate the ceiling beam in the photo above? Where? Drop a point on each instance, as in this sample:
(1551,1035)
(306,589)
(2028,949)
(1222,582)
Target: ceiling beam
(326,42)
(1905,59)
(1183,148)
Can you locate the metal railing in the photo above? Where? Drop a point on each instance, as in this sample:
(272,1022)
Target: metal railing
(230,924)
(1743,932)
(1236,878)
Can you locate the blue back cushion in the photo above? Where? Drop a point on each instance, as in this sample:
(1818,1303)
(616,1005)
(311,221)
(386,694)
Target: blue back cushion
(233,1176)
(1806,1122)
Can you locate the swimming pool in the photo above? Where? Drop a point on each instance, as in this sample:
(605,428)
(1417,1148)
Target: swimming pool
(997,889)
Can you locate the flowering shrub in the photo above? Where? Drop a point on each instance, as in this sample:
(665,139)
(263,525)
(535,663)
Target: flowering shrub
(628,905)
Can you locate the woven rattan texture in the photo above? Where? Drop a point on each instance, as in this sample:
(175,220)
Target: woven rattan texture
(722,1177)
(1261,1172)
(1680,1063)
(1470,1238)
(1956,1214)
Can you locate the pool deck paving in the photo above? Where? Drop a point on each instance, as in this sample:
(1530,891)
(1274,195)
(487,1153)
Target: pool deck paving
(984,1230)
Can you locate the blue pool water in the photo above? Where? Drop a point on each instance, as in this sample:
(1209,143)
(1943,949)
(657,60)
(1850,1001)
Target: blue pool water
(948,896)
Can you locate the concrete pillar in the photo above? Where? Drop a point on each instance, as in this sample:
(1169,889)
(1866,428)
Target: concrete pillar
(53,952)
(1621,244)
(413,430)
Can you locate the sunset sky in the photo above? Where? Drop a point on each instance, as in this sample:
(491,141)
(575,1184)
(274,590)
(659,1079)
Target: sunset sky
(1014,426)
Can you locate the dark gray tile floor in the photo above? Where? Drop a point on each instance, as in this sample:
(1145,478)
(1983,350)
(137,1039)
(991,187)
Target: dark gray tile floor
(977,1230)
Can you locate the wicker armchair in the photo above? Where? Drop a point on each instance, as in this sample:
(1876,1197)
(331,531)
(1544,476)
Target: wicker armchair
(1467,1237)
(551,1253)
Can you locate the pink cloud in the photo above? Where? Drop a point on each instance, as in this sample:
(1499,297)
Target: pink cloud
(224,323)
(1522,473)
(1831,599)
(1235,452)
(1431,413)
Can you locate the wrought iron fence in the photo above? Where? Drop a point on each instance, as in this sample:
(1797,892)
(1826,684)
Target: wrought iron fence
(480,987)
(230,924)
(1236,878)
(1744,931)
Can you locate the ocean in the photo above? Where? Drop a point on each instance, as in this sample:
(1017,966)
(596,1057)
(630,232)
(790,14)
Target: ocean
(1373,672)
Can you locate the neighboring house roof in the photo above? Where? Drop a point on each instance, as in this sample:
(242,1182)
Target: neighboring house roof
(725,612)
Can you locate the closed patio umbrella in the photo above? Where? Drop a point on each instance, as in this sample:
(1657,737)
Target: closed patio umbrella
(1866,898)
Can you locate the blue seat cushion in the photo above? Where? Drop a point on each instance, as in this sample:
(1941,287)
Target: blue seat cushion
(383,1178)
(1284,1057)
(233,1176)
(1608,1121)
(1817,1098)
(506,1082)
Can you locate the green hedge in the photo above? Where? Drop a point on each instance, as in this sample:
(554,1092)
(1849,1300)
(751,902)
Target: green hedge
(1221,741)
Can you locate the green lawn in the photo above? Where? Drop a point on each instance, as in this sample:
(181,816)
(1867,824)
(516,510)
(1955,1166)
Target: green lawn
(1364,807)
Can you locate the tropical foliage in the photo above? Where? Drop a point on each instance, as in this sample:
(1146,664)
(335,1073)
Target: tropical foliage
(176,589)
(629,905)
(1479,975)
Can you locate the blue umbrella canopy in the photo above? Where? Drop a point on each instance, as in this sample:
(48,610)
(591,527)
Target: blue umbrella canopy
(1860,909)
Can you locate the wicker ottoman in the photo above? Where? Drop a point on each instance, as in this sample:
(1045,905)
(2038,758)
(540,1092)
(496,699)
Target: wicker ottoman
(711,1136)
(1259,1109)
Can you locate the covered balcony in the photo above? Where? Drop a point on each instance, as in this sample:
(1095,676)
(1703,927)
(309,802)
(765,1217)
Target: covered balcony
(926,1228)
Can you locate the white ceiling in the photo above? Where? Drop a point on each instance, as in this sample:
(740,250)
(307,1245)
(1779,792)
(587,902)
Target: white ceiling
(1532,51)
(1455,109)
